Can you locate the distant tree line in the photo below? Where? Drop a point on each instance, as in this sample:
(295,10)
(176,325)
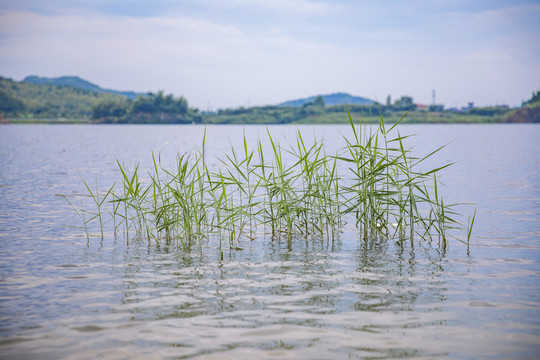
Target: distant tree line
(27,100)
(534,100)
(529,112)
(267,114)
(150,108)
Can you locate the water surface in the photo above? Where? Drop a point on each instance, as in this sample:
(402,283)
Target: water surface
(64,297)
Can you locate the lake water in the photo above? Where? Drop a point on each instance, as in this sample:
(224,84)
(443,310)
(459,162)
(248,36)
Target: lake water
(62,297)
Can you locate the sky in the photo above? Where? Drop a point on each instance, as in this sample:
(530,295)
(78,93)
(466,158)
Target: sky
(231,53)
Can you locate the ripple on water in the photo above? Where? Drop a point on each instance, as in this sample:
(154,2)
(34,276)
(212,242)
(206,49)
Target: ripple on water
(63,297)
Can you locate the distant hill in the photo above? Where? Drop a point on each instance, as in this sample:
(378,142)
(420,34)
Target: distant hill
(331,99)
(46,100)
(77,83)
(70,97)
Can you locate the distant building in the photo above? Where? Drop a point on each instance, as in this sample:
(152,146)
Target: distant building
(406,101)
(422,107)
(470,105)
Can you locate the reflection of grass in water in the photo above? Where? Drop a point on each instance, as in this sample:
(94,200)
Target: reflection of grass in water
(382,192)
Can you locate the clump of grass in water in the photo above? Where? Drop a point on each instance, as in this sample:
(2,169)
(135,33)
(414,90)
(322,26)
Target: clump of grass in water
(382,192)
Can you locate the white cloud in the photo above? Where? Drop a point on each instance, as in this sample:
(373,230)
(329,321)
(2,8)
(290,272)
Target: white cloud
(295,6)
(221,60)
(485,56)
(175,53)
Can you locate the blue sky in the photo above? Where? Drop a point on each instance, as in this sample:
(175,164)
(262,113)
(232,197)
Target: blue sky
(233,53)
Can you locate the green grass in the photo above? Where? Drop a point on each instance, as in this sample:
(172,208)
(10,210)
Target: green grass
(294,191)
(22,120)
(413,117)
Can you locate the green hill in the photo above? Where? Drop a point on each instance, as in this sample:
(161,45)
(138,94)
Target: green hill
(72,98)
(45,100)
(529,112)
(330,100)
(75,99)
(77,83)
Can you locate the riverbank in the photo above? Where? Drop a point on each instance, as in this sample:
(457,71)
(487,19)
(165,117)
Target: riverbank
(329,119)
(270,115)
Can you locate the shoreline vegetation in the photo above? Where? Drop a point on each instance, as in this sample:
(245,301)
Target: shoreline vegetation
(276,192)
(71,100)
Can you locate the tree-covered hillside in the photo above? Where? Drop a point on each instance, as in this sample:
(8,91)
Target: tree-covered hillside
(77,83)
(27,100)
(39,98)
(330,100)
(148,109)
(35,99)
(529,112)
